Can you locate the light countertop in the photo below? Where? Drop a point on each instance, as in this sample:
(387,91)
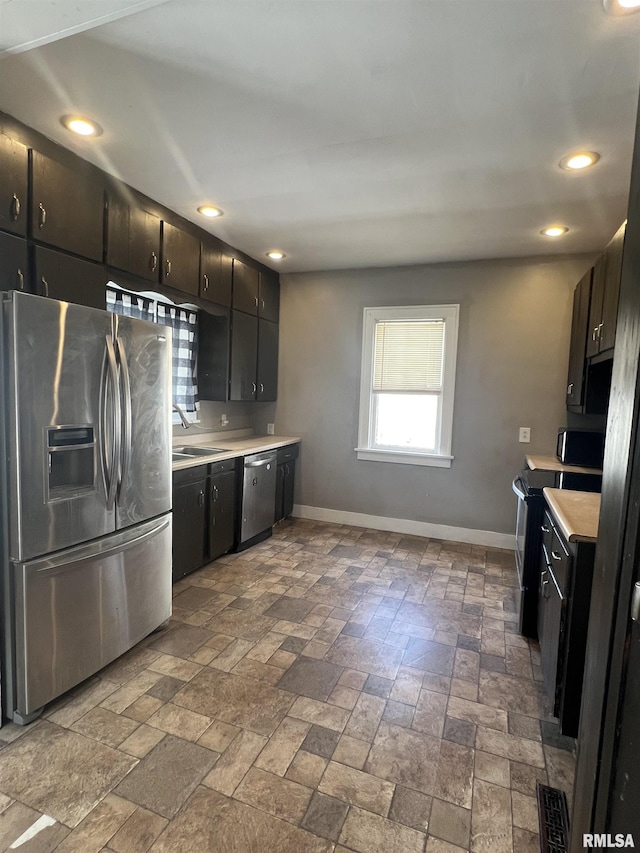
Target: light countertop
(552,463)
(232,447)
(577,513)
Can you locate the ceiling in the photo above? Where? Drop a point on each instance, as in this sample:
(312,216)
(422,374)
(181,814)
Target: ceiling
(348,133)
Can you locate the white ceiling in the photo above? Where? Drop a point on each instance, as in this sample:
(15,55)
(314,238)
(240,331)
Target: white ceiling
(348,133)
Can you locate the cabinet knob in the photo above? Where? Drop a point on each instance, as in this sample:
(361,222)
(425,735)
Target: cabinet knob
(167,267)
(42,216)
(15,207)
(153,262)
(20,277)
(205,281)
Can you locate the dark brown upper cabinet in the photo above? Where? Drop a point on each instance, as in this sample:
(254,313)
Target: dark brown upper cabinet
(267,389)
(243,380)
(133,236)
(603,313)
(180,267)
(61,276)
(14,170)
(67,209)
(578,346)
(13,262)
(215,274)
(213,353)
(246,288)
(269,297)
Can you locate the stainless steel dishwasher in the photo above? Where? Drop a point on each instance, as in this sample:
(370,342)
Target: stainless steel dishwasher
(258,494)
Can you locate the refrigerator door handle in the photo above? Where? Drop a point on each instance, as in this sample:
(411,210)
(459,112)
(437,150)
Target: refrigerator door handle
(115,421)
(127,418)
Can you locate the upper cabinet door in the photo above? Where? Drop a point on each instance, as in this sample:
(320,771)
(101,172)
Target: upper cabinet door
(267,361)
(246,288)
(244,357)
(269,300)
(180,260)
(613,270)
(215,274)
(67,208)
(14,168)
(13,263)
(70,279)
(595,311)
(577,349)
(133,237)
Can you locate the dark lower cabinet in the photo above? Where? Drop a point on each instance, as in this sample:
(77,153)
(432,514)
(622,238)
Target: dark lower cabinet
(285,480)
(13,263)
(222,503)
(566,570)
(70,279)
(189,520)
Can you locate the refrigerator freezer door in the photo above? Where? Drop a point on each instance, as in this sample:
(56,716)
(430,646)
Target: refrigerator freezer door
(62,425)
(144,365)
(79,610)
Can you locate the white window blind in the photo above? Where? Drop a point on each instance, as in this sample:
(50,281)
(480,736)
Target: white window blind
(409,356)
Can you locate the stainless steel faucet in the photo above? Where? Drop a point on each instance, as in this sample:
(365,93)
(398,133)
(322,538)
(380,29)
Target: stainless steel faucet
(183,417)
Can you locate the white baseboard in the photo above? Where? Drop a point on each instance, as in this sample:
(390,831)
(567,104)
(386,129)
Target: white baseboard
(486,538)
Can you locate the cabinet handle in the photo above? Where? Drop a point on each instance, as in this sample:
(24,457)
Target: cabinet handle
(594,334)
(600,330)
(261,388)
(201,498)
(253,385)
(205,279)
(555,556)
(46,285)
(545,529)
(153,262)
(20,277)
(544,582)
(263,304)
(15,207)
(167,265)
(42,215)
(570,389)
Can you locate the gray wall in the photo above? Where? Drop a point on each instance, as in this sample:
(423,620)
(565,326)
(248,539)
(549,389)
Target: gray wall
(515,320)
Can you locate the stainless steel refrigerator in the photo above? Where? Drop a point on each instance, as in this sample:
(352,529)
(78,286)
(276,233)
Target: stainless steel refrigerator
(86,498)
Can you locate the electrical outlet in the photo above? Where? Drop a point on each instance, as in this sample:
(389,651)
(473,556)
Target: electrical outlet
(525,435)
(270,429)
(224,420)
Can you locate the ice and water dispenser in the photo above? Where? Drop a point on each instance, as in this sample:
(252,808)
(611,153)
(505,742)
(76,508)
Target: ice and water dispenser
(71,461)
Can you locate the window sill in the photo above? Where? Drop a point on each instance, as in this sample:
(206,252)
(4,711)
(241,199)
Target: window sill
(403,457)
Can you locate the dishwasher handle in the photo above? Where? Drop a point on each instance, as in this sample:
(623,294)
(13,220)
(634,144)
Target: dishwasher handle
(260,463)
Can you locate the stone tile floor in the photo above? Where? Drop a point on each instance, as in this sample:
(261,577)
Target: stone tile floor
(333,688)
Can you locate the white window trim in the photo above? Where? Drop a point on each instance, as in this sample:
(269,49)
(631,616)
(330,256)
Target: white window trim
(364,450)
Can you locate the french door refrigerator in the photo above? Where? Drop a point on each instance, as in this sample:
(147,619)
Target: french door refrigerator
(86,493)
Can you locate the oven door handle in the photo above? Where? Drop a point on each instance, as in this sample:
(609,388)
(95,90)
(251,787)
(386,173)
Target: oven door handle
(518,488)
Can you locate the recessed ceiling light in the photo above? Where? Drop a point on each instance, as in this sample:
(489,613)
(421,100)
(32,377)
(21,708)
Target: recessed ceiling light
(579,160)
(621,7)
(208,210)
(81,125)
(276,255)
(554,231)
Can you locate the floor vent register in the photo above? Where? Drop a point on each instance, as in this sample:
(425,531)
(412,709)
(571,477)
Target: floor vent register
(554,820)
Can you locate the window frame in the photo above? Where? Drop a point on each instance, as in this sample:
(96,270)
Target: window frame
(365,450)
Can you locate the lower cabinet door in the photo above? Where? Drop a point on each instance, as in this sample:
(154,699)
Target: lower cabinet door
(188,527)
(222,497)
(551,639)
(287,490)
(280,475)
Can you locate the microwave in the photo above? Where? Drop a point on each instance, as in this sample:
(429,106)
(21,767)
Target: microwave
(580,447)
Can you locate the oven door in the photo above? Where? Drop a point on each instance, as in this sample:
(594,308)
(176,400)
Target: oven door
(521,526)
